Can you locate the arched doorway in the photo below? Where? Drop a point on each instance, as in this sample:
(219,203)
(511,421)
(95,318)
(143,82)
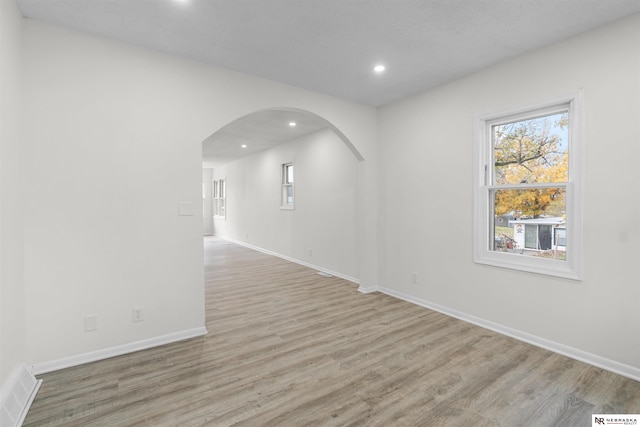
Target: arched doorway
(242,164)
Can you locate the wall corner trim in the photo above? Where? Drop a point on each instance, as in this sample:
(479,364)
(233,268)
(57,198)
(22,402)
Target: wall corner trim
(80,359)
(17,395)
(574,353)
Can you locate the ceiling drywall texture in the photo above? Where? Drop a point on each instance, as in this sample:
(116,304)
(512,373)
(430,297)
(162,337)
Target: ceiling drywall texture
(331,46)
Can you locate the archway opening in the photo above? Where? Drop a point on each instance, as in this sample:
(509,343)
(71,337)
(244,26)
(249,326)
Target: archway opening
(243,164)
(264,129)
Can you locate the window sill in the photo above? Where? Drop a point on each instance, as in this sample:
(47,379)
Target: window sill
(547,267)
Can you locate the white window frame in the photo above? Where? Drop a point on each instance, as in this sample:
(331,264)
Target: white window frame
(284,203)
(220,198)
(483,252)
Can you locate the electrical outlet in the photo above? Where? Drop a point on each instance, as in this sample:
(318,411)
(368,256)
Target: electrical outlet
(136,314)
(310,251)
(414,278)
(90,323)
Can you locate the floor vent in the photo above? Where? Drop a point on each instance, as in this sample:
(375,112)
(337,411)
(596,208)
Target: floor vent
(21,390)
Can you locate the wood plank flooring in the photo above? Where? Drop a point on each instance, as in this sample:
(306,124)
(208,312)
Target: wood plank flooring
(288,347)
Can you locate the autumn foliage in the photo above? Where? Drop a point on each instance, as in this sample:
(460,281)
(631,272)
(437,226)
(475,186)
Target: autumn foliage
(527,153)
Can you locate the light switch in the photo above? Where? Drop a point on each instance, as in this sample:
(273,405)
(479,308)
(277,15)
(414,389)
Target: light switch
(185,208)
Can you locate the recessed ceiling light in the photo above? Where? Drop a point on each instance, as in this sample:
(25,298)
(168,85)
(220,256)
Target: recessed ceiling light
(292,124)
(379,68)
(244,146)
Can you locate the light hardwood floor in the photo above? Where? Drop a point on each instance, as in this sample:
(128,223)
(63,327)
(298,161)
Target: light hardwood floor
(288,347)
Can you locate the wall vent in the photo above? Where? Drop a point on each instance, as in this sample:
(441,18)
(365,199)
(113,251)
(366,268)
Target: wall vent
(16,399)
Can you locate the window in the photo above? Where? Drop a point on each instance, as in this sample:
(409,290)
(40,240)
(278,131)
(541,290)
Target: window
(287,186)
(526,199)
(219,198)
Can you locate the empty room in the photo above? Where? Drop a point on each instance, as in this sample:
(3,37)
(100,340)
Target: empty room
(323,212)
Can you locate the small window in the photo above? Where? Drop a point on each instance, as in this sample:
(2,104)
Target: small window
(560,237)
(287,201)
(219,198)
(526,190)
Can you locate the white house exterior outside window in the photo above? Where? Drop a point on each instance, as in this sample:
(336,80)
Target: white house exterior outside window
(527,212)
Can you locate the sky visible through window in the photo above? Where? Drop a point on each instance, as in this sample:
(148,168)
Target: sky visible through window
(532,150)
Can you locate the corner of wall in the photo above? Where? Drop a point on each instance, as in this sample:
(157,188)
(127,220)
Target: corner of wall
(12,301)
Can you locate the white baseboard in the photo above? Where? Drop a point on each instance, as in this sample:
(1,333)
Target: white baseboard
(294,260)
(574,353)
(367,290)
(80,359)
(17,395)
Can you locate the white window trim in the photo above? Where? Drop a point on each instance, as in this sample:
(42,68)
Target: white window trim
(283,203)
(482,254)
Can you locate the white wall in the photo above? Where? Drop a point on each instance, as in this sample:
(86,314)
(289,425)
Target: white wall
(12,295)
(324,218)
(207,206)
(426,196)
(113,137)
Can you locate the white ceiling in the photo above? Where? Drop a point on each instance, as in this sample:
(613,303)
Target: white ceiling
(258,131)
(331,46)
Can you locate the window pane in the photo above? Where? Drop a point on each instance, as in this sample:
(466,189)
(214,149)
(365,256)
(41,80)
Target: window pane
(560,236)
(531,236)
(287,194)
(532,151)
(530,221)
(289,174)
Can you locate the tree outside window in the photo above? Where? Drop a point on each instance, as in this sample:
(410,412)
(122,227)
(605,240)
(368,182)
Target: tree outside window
(527,189)
(530,174)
